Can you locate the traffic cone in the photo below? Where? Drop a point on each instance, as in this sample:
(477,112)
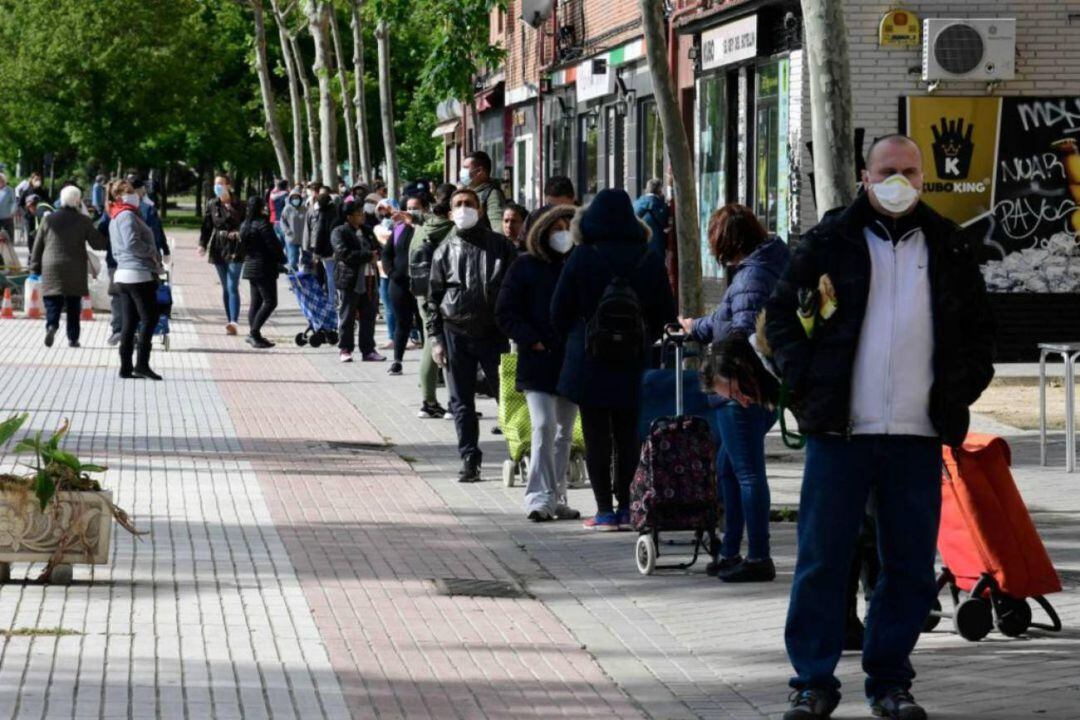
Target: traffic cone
(7,312)
(34,303)
(87,313)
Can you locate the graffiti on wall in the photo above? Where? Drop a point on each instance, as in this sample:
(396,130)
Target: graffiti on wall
(1008,170)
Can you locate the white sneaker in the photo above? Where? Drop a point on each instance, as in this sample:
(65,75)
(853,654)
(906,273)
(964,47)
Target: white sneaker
(345,356)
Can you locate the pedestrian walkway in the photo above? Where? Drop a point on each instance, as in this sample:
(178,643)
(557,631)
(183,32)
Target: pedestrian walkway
(300,512)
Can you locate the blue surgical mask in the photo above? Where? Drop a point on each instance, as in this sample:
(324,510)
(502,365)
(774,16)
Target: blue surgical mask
(464,177)
(219,189)
(295,202)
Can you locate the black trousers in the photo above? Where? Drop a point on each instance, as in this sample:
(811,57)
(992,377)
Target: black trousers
(264,299)
(356,309)
(610,440)
(140,312)
(464,354)
(405,311)
(71,305)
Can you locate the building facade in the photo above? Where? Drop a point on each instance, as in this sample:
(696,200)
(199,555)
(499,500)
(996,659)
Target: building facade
(575,98)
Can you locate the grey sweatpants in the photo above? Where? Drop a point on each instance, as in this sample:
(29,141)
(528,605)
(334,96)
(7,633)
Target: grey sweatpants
(552,419)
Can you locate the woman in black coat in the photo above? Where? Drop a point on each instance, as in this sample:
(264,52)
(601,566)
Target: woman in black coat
(263,258)
(523,313)
(611,241)
(395,263)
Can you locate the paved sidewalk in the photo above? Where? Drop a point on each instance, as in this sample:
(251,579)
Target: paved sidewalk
(292,548)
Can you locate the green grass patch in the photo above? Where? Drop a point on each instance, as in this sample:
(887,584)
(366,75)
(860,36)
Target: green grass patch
(38,632)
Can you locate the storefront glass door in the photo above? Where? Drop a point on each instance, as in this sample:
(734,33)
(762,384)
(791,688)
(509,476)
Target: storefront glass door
(589,158)
(771,170)
(712,160)
(523,173)
(616,149)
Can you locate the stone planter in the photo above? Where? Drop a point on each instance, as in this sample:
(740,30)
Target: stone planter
(29,535)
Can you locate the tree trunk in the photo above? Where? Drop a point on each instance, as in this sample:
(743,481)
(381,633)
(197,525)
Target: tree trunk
(830,104)
(386,106)
(294,93)
(359,100)
(318,17)
(309,107)
(346,106)
(273,129)
(682,167)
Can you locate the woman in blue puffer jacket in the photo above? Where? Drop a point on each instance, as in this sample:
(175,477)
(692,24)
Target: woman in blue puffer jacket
(754,261)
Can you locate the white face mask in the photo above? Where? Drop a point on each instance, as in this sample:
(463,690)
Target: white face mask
(130,199)
(464,178)
(561,241)
(465,217)
(369,208)
(895,194)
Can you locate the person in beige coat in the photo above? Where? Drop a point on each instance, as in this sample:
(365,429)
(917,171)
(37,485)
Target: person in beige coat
(61,259)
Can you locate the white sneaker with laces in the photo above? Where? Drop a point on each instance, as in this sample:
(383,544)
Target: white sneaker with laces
(345,356)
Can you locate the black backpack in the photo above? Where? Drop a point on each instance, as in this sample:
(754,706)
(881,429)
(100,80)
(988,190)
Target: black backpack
(616,332)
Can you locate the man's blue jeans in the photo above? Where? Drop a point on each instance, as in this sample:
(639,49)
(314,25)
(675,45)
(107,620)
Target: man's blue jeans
(229,275)
(292,253)
(388,307)
(905,474)
(744,485)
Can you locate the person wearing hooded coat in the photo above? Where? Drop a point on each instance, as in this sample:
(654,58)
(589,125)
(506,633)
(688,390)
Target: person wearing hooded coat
(612,242)
(292,227)
(263,256)
(523,313)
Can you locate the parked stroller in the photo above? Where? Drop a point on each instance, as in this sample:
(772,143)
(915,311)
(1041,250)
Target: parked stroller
(317,307)
(516,425)
(674,488)
(992,553)
(165,303)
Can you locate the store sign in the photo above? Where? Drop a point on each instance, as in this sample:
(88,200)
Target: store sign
(591,83)
(1008,170)
(899,29)
(729,43)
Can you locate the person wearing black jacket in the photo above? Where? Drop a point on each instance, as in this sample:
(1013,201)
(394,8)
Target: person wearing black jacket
(321,221)
(882,331)
(356,283)
(612,242)
(219,241)
(395,263)
(524,314)
(467,271)
(263,258)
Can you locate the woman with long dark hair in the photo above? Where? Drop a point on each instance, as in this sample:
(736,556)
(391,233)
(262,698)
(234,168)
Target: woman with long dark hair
(263,258)
(219,241)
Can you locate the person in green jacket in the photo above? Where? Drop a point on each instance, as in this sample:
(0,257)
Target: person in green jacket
(476,174)
(433,231)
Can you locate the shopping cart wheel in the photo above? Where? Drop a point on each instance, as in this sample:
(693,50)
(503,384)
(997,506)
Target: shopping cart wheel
(316,339)
(934,618)
(645,554)
(300,339)
(509,469)
(973,619)
(1013,616)
(578,475)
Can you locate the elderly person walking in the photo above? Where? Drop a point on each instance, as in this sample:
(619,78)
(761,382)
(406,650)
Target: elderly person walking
(60,258)
(138,265)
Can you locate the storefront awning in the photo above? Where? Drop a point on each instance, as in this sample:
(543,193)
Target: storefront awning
(445,128)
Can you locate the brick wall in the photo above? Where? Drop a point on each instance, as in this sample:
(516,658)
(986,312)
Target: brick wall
(1047,61)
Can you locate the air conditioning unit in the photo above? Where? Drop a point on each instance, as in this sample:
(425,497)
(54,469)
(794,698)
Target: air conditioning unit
(972,50)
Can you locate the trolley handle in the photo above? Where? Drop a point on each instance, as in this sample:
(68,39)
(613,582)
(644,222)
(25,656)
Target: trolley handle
(674,334)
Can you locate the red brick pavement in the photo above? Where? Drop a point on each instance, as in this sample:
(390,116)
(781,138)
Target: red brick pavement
(366,536)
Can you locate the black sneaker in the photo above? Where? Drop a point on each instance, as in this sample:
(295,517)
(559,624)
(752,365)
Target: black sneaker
(750,571)
(897,704)
(812,704)
(719,565)
(145,373)
(539,516)
(470,470)
(431,411)
(74,343)
(394,369)
(50,335)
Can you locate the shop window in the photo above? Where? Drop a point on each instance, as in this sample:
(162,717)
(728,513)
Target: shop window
(498,159)
(771,172)
(712,160)
(615,148)
(589,157)
(560,146)
(651,157)
(524,180)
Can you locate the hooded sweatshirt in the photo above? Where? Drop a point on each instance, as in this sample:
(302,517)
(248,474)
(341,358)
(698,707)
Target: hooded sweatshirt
(422,249)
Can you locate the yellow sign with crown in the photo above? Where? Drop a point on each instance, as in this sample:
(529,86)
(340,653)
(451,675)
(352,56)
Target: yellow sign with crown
(899,28)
